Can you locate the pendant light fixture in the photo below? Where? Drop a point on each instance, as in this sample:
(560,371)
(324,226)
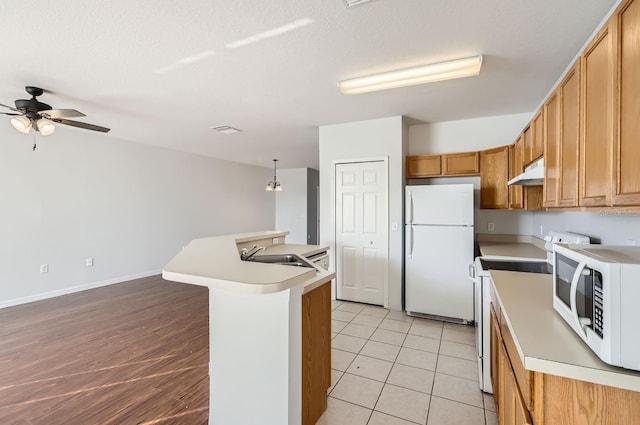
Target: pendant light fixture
(275,184)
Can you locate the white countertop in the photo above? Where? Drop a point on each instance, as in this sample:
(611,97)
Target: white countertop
(215,262)
(545,342)
(511,250)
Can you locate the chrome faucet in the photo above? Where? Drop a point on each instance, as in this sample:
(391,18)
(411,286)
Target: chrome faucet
(247,253)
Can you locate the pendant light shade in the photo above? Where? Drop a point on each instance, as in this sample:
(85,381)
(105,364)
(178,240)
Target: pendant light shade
(274,184)
(22,124)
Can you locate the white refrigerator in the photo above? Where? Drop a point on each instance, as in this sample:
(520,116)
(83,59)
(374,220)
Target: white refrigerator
(439,248)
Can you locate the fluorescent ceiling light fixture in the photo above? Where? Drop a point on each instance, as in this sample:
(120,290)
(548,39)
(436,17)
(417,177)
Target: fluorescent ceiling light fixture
(45,127)
(226,129)
(450,70)
(270,33)
(22,124)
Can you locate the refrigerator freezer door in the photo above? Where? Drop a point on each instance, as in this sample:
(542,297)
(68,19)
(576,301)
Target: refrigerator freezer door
(436,277)
(450,204)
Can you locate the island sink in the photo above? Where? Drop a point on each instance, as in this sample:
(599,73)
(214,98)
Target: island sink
(284,259)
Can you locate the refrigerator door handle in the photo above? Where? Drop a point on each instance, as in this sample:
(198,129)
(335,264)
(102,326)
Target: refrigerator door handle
(409,241)
(409,208)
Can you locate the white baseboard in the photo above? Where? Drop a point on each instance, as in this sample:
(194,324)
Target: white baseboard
(72,289)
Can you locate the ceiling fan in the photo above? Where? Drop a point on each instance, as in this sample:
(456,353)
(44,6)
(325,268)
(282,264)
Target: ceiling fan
(33,114)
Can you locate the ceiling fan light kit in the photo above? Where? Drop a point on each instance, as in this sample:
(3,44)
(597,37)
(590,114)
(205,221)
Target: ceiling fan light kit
(459,68)
(45,127)
(33,114)
(22,124)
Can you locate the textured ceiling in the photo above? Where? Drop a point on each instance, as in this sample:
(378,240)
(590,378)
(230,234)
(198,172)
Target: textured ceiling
(164,72)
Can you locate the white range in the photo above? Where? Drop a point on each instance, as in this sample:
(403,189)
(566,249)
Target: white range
(479,274)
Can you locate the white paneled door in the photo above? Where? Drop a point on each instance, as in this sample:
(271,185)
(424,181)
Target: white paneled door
(362,252)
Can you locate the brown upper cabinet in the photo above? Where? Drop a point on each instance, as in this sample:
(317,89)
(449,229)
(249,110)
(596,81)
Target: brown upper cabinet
(562,142)
(494,167)
(453,164)
(516,157)
(551,150)
(569,147)
(627,108)
(461,164)
(528,145)
(596,150)
(424,166)
(537,125)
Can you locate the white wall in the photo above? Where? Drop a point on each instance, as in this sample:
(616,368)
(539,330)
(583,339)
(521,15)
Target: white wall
(291,204)
(129,206)
(367,139)
(610,228)
(466,135)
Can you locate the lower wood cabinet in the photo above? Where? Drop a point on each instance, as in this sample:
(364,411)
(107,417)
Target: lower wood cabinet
(316,352)
(524,397)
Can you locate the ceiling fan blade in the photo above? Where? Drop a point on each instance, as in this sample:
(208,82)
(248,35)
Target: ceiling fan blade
(62,113)
(10,107)
(84,125)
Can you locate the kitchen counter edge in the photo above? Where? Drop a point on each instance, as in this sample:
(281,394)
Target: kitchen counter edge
(545,343)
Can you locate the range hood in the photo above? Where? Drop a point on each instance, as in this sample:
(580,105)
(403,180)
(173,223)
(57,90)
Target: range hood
(533,175)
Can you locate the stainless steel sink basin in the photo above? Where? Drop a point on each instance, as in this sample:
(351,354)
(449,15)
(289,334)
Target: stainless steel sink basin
(283,259)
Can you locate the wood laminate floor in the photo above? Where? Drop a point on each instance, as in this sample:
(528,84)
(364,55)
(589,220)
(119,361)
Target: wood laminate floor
(131,353)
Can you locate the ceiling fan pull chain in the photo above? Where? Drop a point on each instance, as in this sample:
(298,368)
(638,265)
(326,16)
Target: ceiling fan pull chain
(34,142)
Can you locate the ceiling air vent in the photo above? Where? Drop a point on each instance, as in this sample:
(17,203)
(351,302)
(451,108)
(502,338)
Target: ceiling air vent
(351,3)
(226,129)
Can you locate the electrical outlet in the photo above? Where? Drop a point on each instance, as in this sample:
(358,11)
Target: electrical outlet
(275,241)
(632,242)
(44,268)
(89,261)
(491,226)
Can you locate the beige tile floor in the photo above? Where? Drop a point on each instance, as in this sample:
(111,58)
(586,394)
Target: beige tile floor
(392,369)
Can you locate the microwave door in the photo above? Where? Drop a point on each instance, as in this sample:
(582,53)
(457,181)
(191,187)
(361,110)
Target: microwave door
(581,322)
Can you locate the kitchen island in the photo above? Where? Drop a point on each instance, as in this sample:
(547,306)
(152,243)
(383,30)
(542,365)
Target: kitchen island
(542,370)
(261,318)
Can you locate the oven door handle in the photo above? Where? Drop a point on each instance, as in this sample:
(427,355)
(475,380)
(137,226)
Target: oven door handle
(573,292)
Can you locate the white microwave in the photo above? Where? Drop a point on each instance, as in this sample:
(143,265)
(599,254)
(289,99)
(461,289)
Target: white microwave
(596,289)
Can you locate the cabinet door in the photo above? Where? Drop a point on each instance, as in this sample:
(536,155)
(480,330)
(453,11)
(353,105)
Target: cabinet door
(515,168)
(596,153)
(494,332)
(569,138)
(316,352)
(423,166)
(528,146)
(551,150)
(507,380)
(494,174)
(627,149)
(538,136)
(461,164)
